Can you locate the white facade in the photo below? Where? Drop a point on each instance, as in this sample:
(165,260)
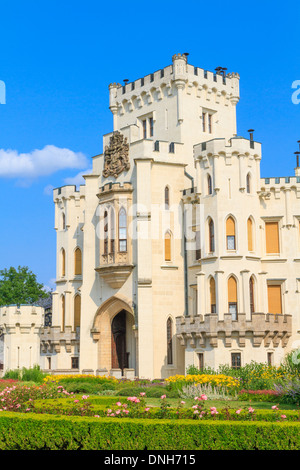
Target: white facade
(134,257)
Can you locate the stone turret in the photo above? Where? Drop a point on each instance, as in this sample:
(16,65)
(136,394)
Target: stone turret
(21,326)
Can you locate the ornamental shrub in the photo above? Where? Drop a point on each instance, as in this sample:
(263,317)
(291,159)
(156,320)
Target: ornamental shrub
(42,432)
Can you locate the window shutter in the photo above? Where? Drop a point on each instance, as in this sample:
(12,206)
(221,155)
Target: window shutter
(272,237)
(168,247)
(232,290)
(212,291)
(78,262)
(77,308)
(230,227)
(274,299)
(250,234)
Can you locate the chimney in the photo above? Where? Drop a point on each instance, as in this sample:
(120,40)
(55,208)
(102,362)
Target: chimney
(251,138)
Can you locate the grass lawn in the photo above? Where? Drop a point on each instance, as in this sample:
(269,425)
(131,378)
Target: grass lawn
(234,404)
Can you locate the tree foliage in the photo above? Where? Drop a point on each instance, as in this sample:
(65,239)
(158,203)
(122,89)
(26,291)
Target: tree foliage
(20,286)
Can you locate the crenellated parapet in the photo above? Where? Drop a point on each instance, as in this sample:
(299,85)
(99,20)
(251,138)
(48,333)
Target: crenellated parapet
(53,339)
(262,330)
(210,86)
(21,318)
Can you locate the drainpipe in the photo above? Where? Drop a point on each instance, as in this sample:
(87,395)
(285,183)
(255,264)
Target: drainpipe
(184,250)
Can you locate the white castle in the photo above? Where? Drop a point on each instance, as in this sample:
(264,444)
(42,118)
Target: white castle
(175,252)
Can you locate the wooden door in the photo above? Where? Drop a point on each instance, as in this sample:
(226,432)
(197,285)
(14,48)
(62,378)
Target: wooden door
(118,342)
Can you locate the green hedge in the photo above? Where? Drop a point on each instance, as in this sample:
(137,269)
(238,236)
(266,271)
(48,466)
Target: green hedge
(41,432)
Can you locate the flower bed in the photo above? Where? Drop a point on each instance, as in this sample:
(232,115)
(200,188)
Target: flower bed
(230,384)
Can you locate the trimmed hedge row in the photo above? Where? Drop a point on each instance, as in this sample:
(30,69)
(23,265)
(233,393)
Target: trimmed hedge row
(44,432)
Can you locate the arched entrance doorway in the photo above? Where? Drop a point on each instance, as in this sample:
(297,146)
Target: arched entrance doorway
(119,353)
(114,330)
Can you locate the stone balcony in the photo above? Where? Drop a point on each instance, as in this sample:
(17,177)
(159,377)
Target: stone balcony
(262,329)
(115,268)
(53,338)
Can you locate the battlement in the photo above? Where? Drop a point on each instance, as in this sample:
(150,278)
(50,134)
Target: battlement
(115,187)
(68,191)
(22,315)
(280,181)
(146,89)
(261,329)
(236,146)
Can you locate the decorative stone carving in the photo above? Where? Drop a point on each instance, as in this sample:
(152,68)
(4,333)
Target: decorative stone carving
(116,156)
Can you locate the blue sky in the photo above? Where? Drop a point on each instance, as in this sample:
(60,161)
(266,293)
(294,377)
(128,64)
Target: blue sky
(58,58)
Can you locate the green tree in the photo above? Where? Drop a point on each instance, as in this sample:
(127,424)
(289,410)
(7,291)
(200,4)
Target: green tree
(20,286)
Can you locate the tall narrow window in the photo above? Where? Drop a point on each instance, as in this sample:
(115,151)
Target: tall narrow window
(210,123)
(274,299)
(248,183)
(209,185)
(230,233)
(78,262)
(232,297)
(212,288)
(112,231)
(144,129)
(122,230)
(63,312)
(167,198)
(169,341)
(168,246)
(198,246)
(77,311)
(211,235)
(235,360)
(272,237)
(63,221)
(105,232)
(251,294)
(201,361)
(63,262)
(250,234)
(204,122)
(151,126)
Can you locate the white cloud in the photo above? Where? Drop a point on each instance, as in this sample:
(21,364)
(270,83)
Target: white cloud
(44,162)
(48,190)
(78,179)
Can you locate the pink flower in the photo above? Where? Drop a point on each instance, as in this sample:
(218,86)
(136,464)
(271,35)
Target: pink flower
(163,397)
(84,397)
(196,412)
(119,403)
(283,416)
(250,409)
(76,401)
(147,409)
(182,402)
(274,407)
(195,407)
(142,394)
(118,412)
(203,397)
(238,412)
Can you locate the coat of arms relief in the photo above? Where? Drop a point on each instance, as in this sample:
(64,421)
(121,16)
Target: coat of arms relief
(116,155)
